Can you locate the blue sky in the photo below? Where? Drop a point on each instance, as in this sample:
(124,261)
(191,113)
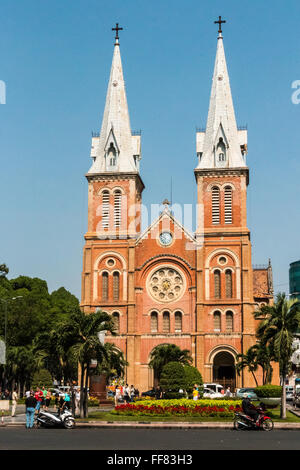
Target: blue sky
(55,61)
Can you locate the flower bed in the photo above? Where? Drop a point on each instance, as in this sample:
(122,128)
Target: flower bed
(182,407)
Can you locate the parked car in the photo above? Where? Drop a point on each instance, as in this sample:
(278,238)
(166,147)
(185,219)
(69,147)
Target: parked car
(217,388)
(250,391)
(149,393)
(208,393)
(289,392)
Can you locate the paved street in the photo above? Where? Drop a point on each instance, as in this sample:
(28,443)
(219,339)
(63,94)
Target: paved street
(138,439)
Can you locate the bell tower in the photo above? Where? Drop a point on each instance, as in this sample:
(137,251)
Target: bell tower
(114,192)
(224,270)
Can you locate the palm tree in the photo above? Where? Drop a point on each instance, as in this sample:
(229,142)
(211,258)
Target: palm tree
(257,355)
(165,353)
(249,361)
(278,325)
(114,364)
(79,336)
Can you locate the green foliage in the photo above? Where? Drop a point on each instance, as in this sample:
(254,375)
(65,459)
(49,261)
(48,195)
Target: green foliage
(173,379)
(165,353)
(42,378)
(192,377)
(269,391)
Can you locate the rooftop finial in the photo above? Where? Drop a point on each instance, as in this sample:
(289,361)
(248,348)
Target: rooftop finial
(220,22)
(117,29)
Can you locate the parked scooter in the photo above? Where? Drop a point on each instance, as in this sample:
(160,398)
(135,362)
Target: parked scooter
(242,421)
(48,419)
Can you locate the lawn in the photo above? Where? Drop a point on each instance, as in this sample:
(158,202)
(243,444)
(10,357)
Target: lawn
(110,417)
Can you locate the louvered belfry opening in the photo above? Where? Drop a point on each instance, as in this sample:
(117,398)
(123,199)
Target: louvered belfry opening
(228,205)
(116,319)
(217,284)
(117,208)
(217,321)
(215,205)
(228,283)
(105,286)
(105,209)
(116,286)
(229,322)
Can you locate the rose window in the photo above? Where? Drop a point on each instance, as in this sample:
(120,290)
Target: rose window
(166,285)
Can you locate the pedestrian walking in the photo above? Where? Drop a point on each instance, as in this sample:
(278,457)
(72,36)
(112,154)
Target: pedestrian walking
(30,404)
(127,394)
(117,395)
(132,393)
(67,400)
(195,393)
(47,400)
(77,402)
(39,399)
(14,402)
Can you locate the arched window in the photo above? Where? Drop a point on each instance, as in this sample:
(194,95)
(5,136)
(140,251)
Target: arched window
(228,204)
(215,205)
(217,321)
(217,284)
(228,284)
(117,208)
(116,286)
(105,286)
(229,322)
(178,321)
(116,319)
(111,156)
(105,209)
(166,322)
(154,322)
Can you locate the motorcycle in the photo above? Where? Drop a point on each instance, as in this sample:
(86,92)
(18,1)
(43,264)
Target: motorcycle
(48,419)
(242,421)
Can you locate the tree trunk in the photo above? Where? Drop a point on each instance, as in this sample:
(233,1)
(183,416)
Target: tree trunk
(82,391)
(86,407)
(254,378)
(283,397)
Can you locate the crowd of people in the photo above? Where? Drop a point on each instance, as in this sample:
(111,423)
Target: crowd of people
(125,393)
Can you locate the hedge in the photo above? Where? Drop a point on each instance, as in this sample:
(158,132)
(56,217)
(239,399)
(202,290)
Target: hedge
(268,391)
(183,407)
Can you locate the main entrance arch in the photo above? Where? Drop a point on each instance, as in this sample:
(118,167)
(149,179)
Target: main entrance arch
(223,369)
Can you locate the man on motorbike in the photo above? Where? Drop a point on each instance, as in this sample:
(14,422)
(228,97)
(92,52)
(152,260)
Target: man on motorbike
(249,409)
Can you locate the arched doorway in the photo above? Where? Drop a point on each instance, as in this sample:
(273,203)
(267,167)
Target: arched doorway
(224,369)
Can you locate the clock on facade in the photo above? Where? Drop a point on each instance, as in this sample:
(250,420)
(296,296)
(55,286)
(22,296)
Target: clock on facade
(165,238)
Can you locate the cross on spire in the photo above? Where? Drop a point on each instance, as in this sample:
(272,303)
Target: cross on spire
(220,22)
(117,29)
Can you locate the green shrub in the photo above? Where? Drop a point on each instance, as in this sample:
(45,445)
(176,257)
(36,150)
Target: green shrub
(268,391)
(42,378)
(192,377)
(173,379)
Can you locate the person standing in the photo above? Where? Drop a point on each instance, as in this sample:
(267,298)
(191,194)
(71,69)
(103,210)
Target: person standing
(47,400)
(14,402)
(195,393)
(30,404)
(67,400)
(39,398)
(117,395)
(228,392)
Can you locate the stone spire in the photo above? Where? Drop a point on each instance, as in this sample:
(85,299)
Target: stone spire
(222,145)
(116,150)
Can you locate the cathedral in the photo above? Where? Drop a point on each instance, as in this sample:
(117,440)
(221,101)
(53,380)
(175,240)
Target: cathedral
(165,284)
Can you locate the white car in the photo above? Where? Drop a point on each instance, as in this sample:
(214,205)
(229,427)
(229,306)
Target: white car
(208,393)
